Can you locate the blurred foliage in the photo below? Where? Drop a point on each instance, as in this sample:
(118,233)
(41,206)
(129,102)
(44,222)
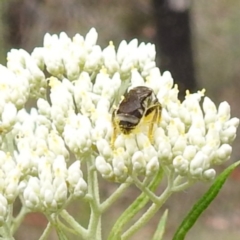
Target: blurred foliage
(216,37)
(3,50)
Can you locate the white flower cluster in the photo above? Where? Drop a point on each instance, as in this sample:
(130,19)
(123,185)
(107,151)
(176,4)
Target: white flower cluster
(41,158)
(86,83)
(14,94)
(189,140)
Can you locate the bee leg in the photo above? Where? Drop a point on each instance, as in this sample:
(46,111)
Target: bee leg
(114,134)
(159,108)
(155,119)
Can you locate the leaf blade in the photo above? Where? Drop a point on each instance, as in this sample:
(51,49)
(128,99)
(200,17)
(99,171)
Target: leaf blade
(203,203)
(158,235)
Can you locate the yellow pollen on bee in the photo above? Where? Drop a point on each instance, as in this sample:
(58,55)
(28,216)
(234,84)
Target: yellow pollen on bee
(144,112)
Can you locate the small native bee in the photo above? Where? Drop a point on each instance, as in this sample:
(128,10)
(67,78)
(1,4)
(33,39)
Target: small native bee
(139,105)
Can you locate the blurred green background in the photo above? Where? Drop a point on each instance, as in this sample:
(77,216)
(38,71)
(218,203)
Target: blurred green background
(215,38)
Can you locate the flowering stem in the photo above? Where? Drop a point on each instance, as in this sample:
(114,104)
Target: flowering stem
(148,215)
(182,186)
(74,224)
(94,226)
(7,233)
(146,190)
(108,202)
(134,208)
(8,145)
(6,226)
(179,184)
(18,219)
(152,210)
(46,232)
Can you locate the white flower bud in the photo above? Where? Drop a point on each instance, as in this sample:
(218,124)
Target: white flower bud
(185,116)
(11,185)
(154,74)
(142,141)
(91,37)
(44,107)
(82,85)
(119,167)
(104,148)
(179,146)
(44,170)
(176,127)
(224,111)
(74,172)
(147,67)
(57,145)
(196,138)
(3,209)
(46,194)
(209,106)
(31,194)
(59,167)
(133,44)
(138,162)
(61,190)
(120,142)
(198,164)
(122,51)
(152,166)
(53,61)
(109,58)
(77,133)
(130,145)
(127,65)
(136,79)
(223,154)
(209,174)
(103,167)
(80,188)
(212,138)
(189,152)
(38,56)
(9,114)
(228,135)
(232,122)
(94,59)
(180,165)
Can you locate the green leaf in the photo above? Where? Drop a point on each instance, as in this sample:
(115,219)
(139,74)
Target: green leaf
(203,203)
(134,208)
(158,235)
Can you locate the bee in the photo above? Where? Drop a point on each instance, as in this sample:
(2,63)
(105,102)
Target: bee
(139,105)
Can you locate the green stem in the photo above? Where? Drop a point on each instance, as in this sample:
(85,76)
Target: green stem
(146,190)
(108,202)
(182,186)
(148,215)
(178,180)
(7,232)
(46,232)
(8,145)
(18,219)
(74,224)
(94,227)
(134,208)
